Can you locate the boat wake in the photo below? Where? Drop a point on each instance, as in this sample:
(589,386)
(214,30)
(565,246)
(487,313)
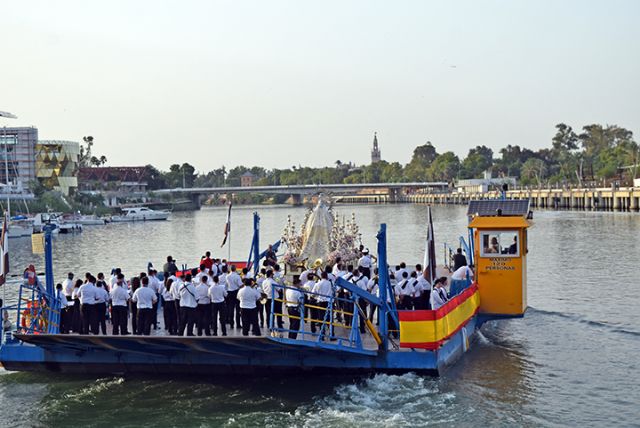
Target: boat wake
(383,400)
(576,318)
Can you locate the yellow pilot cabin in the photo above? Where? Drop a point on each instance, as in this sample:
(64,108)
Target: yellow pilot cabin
(500,255)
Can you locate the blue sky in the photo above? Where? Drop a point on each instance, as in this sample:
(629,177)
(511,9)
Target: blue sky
(278,83)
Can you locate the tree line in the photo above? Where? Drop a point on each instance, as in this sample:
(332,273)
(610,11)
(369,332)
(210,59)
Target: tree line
(595,155)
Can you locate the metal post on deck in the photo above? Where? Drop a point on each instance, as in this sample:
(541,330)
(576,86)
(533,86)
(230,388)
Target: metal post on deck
(256,244)
(48,259)
(383,272)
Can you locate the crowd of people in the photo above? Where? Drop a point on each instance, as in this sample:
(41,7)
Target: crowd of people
(217,296)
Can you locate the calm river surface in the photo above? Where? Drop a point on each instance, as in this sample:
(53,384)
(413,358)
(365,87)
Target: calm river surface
(572,361)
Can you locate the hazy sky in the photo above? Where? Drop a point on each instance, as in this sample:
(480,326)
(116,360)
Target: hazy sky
(278,83)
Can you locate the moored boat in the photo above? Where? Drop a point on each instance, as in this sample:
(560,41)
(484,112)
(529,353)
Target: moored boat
(140,214)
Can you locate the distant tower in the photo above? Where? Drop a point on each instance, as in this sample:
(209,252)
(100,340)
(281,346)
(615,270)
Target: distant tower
(375,152)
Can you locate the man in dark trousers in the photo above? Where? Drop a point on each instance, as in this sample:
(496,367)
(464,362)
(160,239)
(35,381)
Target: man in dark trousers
(459,260)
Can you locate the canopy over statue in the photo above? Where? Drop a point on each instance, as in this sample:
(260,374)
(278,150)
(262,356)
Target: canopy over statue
(322,237)
(316,239)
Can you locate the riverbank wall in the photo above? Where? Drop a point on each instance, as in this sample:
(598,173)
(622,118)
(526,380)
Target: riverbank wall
(608,199)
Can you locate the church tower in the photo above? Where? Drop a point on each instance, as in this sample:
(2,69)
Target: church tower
(375,152)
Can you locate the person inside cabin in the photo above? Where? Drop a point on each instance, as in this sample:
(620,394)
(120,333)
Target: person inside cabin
(459,260)
(217,294)
(234,282)
(513,248)
(203,310)
(439,293)
(144,297)
(294,301)
(119,301)
(247,297)
(102,298)
(188,306)
(494,247)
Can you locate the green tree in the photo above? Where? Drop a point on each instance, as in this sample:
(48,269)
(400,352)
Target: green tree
(533,169)
(477,162)
(423,157)
(445,167)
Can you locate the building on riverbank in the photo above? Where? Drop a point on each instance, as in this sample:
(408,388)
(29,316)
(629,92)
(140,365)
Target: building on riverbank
(54,163)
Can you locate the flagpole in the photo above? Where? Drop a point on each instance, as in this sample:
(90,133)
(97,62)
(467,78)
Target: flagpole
(229,240)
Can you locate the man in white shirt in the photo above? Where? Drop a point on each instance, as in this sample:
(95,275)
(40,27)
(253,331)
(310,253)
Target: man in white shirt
(67,286)
(247,298)
(119,299)
(404,291)
(188,306)
(294,299)
(234,282)
(169,311)
(144,298)
(439,294)
(269,290)
(323,291)
(365,263)
(217,294)
(337,266)
(156,286)
(102,298)
(87,294)
(460,280)
(203,310)
(422,291)
(361,281)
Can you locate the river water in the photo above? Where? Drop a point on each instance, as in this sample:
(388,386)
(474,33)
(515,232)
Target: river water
(573,359)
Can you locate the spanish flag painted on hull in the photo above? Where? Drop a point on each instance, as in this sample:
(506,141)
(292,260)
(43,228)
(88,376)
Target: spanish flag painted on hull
(429,329)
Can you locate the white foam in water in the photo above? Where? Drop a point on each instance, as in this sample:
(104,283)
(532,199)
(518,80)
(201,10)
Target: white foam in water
(94,388)
(384,400)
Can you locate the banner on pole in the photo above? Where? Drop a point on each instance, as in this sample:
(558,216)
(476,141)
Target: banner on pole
(37,243)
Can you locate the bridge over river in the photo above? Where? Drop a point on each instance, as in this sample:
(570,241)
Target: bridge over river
(390,191)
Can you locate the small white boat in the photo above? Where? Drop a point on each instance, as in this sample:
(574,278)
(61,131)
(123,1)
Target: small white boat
(20,229)
(139,214)
(63,224)
(90,220)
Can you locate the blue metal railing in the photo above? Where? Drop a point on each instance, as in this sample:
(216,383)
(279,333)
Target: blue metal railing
(337,309)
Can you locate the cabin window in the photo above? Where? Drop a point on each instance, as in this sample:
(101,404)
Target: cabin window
(500,244)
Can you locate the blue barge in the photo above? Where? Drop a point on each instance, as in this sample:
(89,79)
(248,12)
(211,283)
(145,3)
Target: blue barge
(423,341)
